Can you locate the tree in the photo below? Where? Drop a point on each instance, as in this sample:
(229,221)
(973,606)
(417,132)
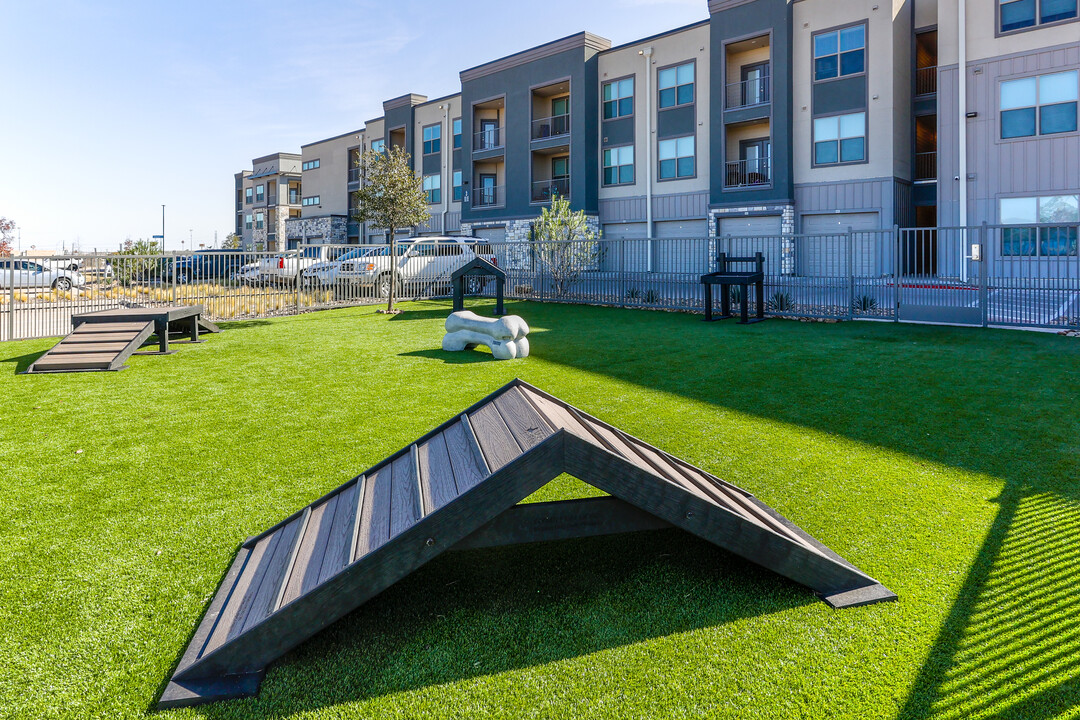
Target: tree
(7,227)
(233,242)
(392,197)
(564,244)
(137,261)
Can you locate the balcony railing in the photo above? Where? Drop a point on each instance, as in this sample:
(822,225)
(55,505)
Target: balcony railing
(271,199)
(491,196)
(544,190)
(748,173)
(488,139)
(748,93)
(926,166)
(549,127)
(926,81)
(294,198)
(354,174)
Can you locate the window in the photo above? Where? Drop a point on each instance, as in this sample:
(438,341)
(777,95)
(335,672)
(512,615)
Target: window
(619,165)
(1020,14)
(378,146)
(313,200)
(840,53)
(247,221)
(676,158)
(1060,212)
(457,133)
(259,224)
(676,86)
(310,165)
(259,193)
(619,98)
(458,189)
(432,139)
(433,189)
(247,196)
(840,139)
(1042,105)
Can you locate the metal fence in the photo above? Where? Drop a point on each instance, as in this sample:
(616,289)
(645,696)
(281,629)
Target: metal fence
(1025,276)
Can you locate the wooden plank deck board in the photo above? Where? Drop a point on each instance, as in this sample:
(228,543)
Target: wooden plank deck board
(235,604)
(496,440)
(64,348)
(103,337)
(339,541)
(375,515)
(300,580)
(525,424)
(269,586)
(466,458)
(556,415)
(405,509)
(98,328)
(87,361)
(436,472)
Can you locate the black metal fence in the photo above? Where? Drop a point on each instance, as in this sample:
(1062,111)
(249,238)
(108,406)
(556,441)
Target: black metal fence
(1025,276)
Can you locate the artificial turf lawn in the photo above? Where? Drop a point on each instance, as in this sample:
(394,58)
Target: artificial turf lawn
(941,461)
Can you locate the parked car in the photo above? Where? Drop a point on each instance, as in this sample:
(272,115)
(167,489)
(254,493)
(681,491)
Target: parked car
(205,265)
(31,274)
(284,268)
(424,265)
(248,274)
(74,264)
(326,273)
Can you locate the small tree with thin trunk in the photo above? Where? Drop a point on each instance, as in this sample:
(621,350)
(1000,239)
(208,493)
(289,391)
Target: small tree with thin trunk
(391,196)
(232,242)
(7,227)
(564,244)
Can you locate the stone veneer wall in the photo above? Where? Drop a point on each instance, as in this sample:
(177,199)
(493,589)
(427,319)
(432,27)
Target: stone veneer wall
(332,229)
(518,255)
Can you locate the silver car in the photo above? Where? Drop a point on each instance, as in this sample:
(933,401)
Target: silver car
(15,272)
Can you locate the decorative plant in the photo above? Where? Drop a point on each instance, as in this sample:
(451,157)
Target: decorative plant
(780,302)
(652,297)
(633,294)
(735,293)
(564,244)
(864,303)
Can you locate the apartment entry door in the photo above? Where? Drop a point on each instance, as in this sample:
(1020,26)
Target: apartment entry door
(487,189)
(755,156)
(560,116)
(755,85)
(489,134)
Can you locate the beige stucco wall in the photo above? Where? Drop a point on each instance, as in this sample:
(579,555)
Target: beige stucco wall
(692,44)
(982,30)
(889,80)
(329,181)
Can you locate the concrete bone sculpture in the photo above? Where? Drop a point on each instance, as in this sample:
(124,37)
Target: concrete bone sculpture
(506,336)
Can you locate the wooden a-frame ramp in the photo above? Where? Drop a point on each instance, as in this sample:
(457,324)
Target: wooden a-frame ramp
(458,487)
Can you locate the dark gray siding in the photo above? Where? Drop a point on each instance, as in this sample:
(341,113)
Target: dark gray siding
(746,20)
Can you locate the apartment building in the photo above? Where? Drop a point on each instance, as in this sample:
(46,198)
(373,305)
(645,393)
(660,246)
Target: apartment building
(767,117)
(267,196)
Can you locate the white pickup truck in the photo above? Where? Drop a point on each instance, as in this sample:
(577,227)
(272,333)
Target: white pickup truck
(284,268)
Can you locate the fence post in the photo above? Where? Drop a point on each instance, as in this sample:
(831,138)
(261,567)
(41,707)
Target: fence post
(850,275)
(173,273)
(11,298)
(898,260)
(984,294)
(299,254)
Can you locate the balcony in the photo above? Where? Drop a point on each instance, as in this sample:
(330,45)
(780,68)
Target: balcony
(748,173)
(926,81)
(271,200)
(748,93)
(489,197)
(551,127)
(294,198)
(490,138)
(544,190)
(925,166)
(354,174)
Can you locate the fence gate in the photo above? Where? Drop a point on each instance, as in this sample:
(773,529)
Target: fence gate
(941,277)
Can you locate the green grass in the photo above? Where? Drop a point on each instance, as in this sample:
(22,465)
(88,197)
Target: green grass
(944,462)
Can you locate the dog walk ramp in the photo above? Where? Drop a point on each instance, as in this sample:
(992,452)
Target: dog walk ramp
(95,346)
(459,487)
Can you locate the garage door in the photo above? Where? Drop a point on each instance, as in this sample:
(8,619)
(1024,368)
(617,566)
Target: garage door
(827,256)
(625,247)
(491,234)
(682,246)
(751,235)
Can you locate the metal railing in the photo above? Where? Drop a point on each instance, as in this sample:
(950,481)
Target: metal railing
(488,139)
(1025,276)
(926,80)
(549,127)
(748,173)
(354,174)
(487,197)
(747,93)
(926,166)
(544,190)
(271,199)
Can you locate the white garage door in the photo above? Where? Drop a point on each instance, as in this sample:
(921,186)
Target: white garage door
(625,249)
(751,235)
(682,247)
(827,256)
(491,234)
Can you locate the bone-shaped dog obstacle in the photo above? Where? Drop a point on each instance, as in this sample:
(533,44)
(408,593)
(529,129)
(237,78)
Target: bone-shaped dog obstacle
(505,336)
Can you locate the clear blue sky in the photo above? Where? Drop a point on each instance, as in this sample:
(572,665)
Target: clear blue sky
(110,109)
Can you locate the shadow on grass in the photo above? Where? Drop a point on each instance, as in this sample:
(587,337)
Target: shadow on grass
(466,357)
(230,325)
(22,362)
(434,309)
(482,612)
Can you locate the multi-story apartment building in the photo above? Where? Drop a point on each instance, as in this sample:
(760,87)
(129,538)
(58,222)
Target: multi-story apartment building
(267,196)
(768,117)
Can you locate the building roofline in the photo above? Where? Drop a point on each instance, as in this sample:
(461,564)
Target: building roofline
(444,98)
(335,137)
(650,38)
(577,41)
(406,100)
(275,156)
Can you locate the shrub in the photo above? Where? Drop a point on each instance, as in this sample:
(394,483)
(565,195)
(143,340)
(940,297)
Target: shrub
(864,303)
(633,294)
(780,302)
(652,297)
